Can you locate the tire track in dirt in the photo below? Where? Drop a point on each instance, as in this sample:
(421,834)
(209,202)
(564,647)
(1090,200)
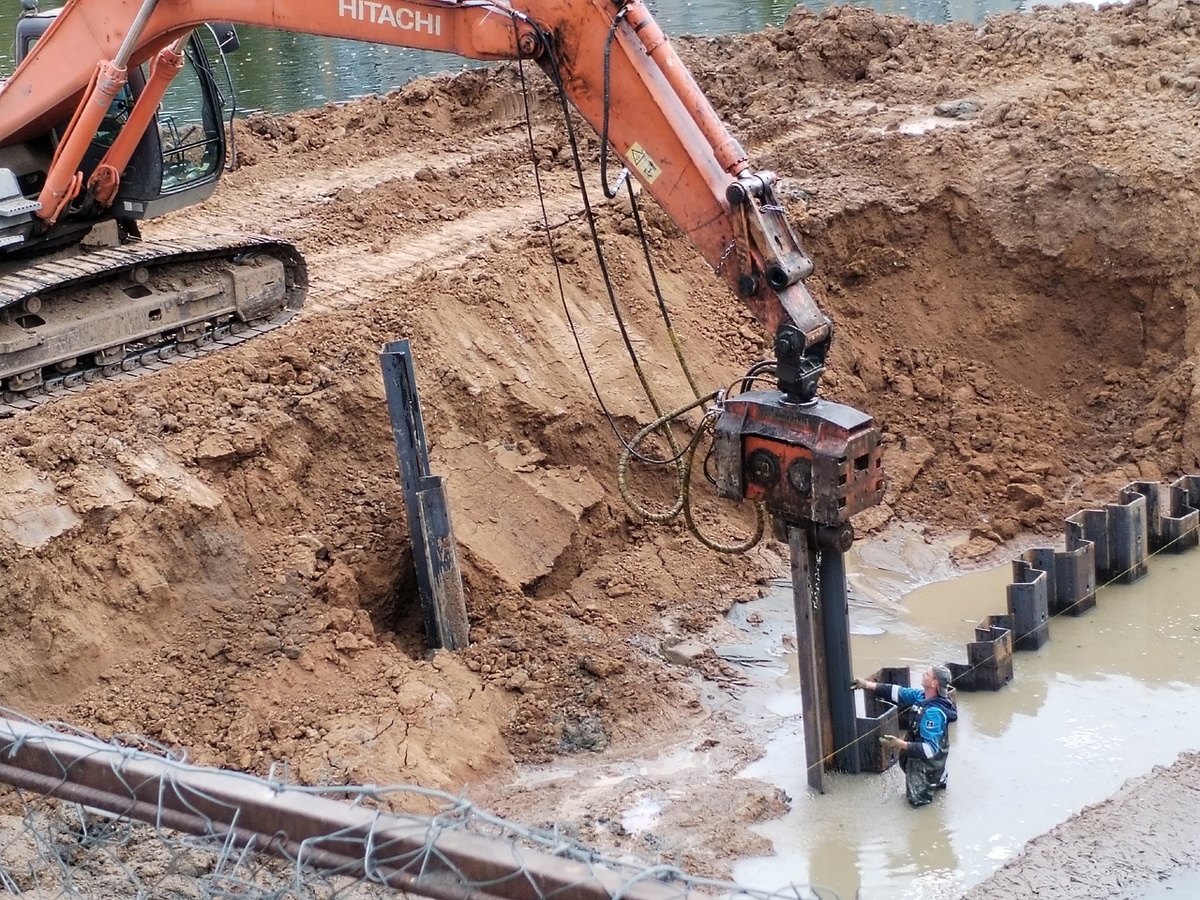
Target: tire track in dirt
(240,199)
(345,276)
(352,272)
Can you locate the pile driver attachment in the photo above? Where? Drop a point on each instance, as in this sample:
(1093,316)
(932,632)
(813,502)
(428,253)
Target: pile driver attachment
(817,462)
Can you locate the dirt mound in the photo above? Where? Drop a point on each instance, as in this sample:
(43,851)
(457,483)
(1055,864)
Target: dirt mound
(216,555)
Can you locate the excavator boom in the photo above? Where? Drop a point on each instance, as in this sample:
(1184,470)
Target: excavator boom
(658,121)
(617,68)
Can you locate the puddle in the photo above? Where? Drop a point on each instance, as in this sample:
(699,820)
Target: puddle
(1184,884)
(643,816)
(1105,700)
(596,778)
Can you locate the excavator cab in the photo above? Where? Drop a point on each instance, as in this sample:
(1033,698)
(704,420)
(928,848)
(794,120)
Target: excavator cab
(82,296)
(177,161)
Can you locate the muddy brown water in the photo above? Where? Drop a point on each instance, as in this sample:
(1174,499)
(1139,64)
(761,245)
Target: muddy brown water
(1106,699)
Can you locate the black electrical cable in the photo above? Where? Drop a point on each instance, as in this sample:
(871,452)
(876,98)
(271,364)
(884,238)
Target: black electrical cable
(553,71)
(610,192)
(682,457)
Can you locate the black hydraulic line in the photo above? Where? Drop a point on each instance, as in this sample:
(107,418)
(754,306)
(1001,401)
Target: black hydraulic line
(610,191)
(608,415)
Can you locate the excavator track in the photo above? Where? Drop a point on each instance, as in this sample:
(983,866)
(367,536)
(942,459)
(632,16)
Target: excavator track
(119,312)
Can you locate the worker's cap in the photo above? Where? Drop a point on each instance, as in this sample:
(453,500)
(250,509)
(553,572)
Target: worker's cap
(943,676)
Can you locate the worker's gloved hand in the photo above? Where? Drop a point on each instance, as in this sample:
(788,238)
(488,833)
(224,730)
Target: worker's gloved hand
(858,684)
(889,742)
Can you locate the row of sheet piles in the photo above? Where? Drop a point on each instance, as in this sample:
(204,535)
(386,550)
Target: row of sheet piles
(1103,546)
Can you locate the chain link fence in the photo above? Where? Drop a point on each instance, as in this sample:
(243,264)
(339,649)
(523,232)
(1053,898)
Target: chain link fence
(87,818)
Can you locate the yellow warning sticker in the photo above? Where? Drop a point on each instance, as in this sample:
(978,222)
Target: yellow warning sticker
(644,163)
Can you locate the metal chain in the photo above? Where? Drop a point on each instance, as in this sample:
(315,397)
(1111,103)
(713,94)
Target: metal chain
(724,256)
(816,582)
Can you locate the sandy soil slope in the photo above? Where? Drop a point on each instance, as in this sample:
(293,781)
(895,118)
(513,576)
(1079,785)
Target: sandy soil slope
(216,555)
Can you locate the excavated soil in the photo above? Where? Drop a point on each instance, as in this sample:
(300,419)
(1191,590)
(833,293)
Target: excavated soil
(216,555)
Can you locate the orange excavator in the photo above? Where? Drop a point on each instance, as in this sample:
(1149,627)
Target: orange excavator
(113,116)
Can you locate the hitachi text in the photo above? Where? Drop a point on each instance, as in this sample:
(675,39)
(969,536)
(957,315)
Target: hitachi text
(394,16)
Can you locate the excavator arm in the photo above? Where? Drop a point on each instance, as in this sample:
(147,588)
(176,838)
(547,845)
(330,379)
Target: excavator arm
(621,73)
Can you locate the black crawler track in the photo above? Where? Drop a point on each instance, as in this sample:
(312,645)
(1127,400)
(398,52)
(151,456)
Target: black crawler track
(147,354)
(137,363)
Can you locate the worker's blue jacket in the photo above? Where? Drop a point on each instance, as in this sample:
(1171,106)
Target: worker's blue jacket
(930,718)
(924,760)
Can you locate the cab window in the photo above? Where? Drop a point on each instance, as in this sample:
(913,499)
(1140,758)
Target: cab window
(189,131)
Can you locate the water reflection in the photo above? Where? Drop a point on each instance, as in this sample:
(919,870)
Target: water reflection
(994,719)
(930,851)
(833,854)
(283,72)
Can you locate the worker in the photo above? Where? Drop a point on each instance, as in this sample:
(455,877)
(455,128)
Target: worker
(923,752)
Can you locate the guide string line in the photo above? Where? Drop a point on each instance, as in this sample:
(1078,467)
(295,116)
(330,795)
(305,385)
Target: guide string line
(1115,579)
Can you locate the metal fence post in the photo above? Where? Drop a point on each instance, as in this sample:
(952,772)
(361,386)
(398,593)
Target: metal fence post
(435,554)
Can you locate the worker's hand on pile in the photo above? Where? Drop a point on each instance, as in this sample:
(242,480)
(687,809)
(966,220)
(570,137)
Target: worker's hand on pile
(858,684)
(889,742)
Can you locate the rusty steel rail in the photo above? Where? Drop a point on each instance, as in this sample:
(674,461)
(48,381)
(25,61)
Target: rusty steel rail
(419,855)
